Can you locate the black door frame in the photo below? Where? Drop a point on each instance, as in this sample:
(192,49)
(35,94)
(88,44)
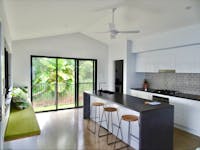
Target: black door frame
(76,78)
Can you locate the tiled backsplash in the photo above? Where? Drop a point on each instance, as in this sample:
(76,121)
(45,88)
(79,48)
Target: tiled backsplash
(182,82)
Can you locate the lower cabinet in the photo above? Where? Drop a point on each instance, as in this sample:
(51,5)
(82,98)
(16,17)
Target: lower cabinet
(186,111)
(141,94)
(186,114)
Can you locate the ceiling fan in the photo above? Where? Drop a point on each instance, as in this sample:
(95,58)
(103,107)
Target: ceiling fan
(112,29)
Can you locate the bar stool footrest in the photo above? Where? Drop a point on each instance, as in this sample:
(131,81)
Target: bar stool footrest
(133,136)
(105,134)
(126,146)
(91,130)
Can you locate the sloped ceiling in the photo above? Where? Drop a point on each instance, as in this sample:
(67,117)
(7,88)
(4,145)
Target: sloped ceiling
(39,18)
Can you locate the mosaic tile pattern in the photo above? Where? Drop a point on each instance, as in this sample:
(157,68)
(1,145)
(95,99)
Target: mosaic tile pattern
(182,82)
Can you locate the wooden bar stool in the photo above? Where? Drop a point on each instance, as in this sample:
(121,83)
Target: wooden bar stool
(129,119)
(95,105)
(108,120)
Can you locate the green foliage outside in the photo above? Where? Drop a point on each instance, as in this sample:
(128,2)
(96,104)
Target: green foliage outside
(19,97)
(44,79)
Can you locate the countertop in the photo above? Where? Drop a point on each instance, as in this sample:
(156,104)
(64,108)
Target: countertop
(178,94)
(130,102)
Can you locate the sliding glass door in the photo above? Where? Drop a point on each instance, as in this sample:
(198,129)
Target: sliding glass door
(66,83)
(44,84)
(86,78)
(59,83)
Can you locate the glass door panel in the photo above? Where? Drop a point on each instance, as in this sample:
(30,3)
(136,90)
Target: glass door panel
(43,83)
(66,83)
(59,83)
(85,78)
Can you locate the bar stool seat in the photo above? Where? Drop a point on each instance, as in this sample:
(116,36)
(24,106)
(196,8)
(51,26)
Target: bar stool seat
(110,109)
(129,119)
(95,105)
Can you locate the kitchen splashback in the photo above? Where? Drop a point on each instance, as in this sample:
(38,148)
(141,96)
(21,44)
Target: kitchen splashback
(182,82)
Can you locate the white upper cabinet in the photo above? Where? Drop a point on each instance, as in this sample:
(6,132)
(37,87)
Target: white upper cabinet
(178,49)
(140,63)
(155,61)
(165,60)
(188,60)
(146,62)
(183,60)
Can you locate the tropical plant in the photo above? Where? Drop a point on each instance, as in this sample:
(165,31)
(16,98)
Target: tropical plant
(44,76)
(46,71)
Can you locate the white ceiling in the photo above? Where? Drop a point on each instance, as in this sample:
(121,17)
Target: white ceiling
(39,18)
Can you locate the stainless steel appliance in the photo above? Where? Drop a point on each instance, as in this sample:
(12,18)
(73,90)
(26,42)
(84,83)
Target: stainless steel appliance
(160,99)
(166,92)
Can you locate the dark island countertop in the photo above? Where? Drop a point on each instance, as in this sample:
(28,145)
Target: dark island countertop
(177,94)
(130,102)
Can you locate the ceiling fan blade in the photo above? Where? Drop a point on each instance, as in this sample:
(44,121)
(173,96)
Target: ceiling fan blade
(130,31)
(113,15)
(103,32)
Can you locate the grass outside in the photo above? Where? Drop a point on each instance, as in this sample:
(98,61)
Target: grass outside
(47,105)
(53,107)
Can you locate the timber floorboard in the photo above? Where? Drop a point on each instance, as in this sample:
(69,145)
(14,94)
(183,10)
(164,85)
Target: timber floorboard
(66,130)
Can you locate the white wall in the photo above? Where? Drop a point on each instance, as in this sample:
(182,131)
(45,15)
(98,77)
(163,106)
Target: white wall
(121,49)
(176,37)
(2,98)
(117,51)
(4,34)
(3,20)
(72,45)
(134,80)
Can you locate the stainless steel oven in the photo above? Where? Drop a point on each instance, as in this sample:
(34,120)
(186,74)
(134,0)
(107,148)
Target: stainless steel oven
(160,99)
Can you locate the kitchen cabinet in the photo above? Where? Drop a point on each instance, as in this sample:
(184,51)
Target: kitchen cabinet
(188,61)
(146,62)
(155,61)
(183,60)
(186,111)
(141,94)
(141,62)
(186,114)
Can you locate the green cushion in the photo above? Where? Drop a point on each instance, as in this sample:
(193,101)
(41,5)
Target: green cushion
(21,123)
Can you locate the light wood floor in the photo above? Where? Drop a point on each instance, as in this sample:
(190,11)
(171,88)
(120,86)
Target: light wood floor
(66,129)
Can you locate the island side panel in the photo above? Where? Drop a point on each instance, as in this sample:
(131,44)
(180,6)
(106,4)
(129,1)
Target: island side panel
(86,108)
(156,129)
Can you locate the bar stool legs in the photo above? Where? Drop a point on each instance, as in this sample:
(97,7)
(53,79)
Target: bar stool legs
(129,118)
(95,105)
(109,121)
(119,128)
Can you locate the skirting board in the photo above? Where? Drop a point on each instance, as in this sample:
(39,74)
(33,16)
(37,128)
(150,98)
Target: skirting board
(192,131)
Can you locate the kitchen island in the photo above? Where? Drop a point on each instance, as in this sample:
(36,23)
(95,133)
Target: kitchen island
(154,131)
